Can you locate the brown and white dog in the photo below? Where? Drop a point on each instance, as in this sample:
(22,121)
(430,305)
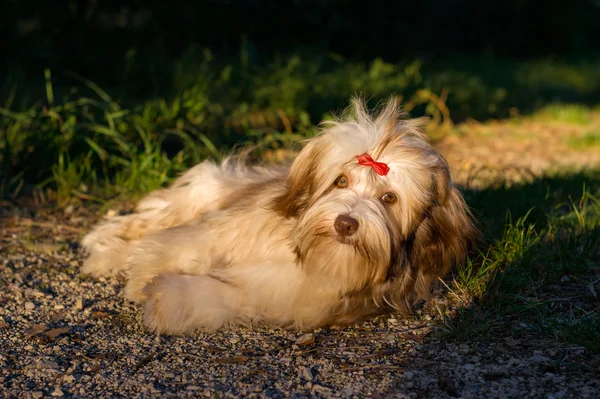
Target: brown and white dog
(364,221)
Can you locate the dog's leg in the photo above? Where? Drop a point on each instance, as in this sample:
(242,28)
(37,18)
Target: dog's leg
(184,249)
(196,192)
(178,303)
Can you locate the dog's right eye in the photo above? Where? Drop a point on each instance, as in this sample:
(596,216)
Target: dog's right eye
(341,181)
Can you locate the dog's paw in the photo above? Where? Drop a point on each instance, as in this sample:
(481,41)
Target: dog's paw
(105,263)
(175,304)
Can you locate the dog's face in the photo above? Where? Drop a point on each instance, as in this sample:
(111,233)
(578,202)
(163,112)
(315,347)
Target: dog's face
(390,217)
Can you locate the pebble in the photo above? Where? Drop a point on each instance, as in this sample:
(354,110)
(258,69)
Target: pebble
(47,365)
(540,359)
(306,373)
(102,357)
(306,339)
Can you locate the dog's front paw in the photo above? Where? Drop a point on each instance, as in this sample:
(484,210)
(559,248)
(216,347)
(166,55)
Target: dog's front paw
(176,304)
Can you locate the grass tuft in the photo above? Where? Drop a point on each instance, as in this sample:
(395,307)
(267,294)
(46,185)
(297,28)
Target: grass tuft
(537,278)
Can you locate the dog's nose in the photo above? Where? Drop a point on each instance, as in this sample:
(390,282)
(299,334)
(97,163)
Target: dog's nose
(345,225)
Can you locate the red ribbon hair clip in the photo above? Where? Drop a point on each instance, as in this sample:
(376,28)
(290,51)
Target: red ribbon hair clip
(379,167)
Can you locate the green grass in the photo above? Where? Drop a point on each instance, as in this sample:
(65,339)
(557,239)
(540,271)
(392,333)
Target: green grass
(590,139)
(69,134)
(537,273)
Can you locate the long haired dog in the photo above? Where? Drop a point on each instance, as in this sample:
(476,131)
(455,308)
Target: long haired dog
(364,221)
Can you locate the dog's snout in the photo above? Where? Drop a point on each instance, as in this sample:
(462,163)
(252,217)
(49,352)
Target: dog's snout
(345,225)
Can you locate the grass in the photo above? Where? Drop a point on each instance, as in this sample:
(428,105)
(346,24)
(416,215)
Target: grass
(67,133)
(535,272)
(590,139)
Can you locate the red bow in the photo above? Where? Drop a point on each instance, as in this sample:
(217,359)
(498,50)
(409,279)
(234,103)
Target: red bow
(379,167)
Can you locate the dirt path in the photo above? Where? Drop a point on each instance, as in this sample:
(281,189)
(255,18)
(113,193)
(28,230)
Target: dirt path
(67,336)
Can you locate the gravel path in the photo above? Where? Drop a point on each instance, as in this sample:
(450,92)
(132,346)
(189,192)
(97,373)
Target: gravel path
(64,335)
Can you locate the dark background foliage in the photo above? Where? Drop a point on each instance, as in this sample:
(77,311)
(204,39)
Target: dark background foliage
(84,80)
(94,37)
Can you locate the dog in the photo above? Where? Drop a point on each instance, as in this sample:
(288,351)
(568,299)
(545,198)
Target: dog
(364,221)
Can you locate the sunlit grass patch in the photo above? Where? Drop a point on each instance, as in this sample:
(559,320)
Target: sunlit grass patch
(588,140)
(568,113)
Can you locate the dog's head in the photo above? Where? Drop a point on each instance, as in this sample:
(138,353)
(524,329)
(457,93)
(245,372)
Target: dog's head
(374,204)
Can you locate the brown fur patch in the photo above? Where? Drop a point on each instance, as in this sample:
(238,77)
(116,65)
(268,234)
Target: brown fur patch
(440,241)
(302,181)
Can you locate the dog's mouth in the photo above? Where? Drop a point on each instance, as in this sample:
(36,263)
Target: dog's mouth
(346,240)
(342,240)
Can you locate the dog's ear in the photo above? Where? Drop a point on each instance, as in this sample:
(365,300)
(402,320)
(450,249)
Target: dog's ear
(442,238)
(302,182)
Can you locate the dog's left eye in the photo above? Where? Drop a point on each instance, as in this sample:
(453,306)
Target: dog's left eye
(341,181)
(389,198)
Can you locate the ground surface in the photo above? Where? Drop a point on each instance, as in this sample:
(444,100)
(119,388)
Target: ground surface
(64,335)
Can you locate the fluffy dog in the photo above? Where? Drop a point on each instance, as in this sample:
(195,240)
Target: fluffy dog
(364,221)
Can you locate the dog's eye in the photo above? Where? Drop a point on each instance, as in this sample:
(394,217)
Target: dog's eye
(341,181)
(389,198)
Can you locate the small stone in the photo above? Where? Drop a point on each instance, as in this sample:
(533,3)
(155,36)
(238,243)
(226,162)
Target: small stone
(306,373)
(321,390)
(393,321)
(193,388)
(390,338)
(561,394)
(540,359)
(68,378)
(29,305)
(37,394)
(47,365)
(468,366)
(409,375)
(58,392)
(234,340)
(306,339)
